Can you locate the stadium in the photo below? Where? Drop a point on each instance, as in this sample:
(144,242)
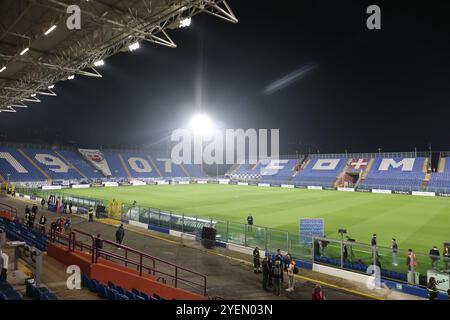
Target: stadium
(129,221)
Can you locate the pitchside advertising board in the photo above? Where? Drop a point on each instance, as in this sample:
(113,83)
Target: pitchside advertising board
(310,228)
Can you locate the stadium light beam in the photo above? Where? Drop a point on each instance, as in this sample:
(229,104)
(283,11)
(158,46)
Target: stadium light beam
(201,125)
(3,69)
(134,46)
(24,51)
(50,30)
(51,87)
(99,63)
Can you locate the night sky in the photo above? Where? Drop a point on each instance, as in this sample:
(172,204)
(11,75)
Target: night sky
(384,89)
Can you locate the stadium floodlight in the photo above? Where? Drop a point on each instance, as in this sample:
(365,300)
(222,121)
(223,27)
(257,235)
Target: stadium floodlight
(99,63)
(185,22)
(71,77)
(3,69)
(134,46)
(51,87)
(50,30)
(24,51)
(201,125)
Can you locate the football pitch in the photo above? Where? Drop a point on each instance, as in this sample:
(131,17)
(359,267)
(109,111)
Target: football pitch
(416,222)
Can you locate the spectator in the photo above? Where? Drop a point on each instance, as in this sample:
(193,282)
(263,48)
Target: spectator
(256,261)
(65,207)
(287,261)
(60,223)
(265,273)
(411,261)
(394,248)
(91,214)
(279,257)
(120,234)
(277,274)
(250,222)
(447,258)
(42,222)
(67,224)
(27,214)
(435,257)
(290,273)
(42,204)
(432,289)
(70,207)
(448,294)
(318,293)
(324,244)
(345,254)
(34,210)
(373,242)
(316,248)
(4,261)
(32,219)
(270,265)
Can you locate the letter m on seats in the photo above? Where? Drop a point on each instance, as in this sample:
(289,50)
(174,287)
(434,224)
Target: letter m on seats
(406,164)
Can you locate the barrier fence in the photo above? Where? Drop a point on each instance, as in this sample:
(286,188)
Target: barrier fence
(395,266)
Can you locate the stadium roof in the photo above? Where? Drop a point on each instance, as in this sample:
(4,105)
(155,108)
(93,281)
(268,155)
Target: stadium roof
(56,53)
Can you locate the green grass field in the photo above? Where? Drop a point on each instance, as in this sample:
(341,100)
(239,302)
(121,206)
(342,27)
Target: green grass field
(416,222)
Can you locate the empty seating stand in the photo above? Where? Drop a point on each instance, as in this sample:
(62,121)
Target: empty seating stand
(114,292)
(36,293)
(18,232)
(7,292)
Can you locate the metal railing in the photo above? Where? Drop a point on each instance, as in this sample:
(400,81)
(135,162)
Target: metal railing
(180,277)
(8,209)
(393,264)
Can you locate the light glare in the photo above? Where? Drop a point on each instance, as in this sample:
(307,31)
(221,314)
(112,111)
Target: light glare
(201,125)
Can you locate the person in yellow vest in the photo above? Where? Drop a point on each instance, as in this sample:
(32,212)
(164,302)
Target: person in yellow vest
(91,214)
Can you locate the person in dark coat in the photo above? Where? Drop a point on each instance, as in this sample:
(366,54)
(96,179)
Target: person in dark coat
(250,222)
(120,234)
(270,266)
(70,207)
(265,273)
(277,274)
(42,204)
(432,289)
(435,256)
(279,257)
(256,261)
(42,222)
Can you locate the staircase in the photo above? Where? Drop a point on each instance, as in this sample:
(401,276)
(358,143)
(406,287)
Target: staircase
(155,166)
(124,165)
(342,174)
(441,165)
(303,164)
(426,181)
(363,176)
(185,171)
